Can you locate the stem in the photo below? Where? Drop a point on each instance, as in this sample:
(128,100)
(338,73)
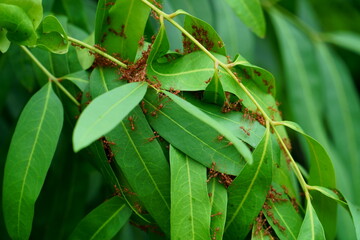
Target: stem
(226,67)
(294,166)
(98,51)
(49,75)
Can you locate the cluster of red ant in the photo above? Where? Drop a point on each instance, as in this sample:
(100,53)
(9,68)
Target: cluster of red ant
(222,178)
(201,35)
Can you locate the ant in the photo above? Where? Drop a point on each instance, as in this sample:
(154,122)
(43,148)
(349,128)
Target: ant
(153,137)
(131,120)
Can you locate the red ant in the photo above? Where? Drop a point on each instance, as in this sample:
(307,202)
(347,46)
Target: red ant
(245,131)
(131,120)
(142,105)
(153,137)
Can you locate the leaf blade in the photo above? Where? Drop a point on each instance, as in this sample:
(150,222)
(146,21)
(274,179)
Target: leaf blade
(248,191)
(29,158)
(190,214)
(104,221)
(105,112)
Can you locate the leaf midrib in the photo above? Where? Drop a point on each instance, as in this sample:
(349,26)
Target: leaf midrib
(33,147)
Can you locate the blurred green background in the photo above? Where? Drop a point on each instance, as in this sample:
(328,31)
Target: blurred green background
(312,47)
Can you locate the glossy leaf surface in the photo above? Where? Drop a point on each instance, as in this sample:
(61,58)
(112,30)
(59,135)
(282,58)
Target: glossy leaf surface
(32,148)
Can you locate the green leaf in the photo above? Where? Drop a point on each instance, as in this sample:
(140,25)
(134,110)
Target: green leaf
(104,221)
(196,134)
(75,11)
(105,112)
(322,174)
(311,229)
(333,194)
(218,201)
(239,145)
(282,213)
(103,80)
(29,157)
(143,164)
(259,234)
(250,13)
(4,42)
(347,40)
(342,112)
(123,23)
(355,213)
(214,93)
(262,78)
(189,72)
(300,68)
(18,25)
(248,131)
(32,8)
(203,33)
(190,205)
(248,191)
(80,79)
(52,35)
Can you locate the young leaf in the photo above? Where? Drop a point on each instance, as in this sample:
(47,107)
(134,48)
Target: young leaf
(203,33)
(311,228)
(105,112)
(18,25)
(190,205)
(218,201)
(333,194)
(248,191)
(52,35)
(123,25)
(143,164)
(104,221)
(250,13)
(29,157)
(202,139)
(80,79)
(4,42)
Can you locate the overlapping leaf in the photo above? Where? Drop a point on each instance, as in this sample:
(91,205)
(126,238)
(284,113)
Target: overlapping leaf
(52,35)
(105,112)
(190,204)
(195,133)
(248,131)
(32,148)
(248,191)
(348,40)
(138,154)
(104,221)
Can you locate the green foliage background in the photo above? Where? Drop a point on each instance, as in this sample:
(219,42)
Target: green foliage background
(312,48)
